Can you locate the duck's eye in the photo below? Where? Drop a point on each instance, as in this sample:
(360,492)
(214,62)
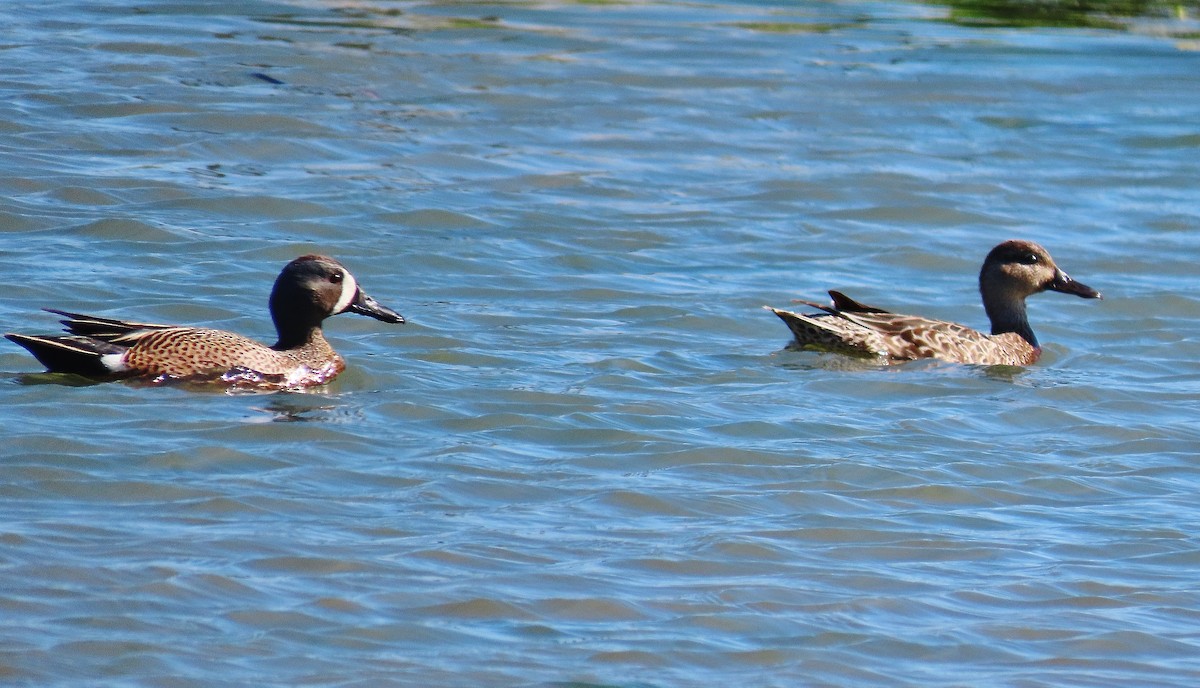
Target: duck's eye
(1029,259)
(336,277)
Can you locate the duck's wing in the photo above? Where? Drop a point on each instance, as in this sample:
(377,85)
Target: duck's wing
(906,337)
(95,346)
(832,330)
(829,330)
(107,329)
(841,302)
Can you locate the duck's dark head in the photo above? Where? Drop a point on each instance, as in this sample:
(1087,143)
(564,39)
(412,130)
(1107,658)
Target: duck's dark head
(312,288)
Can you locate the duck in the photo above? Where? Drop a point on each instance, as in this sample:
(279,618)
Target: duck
(1012,271)
(308,290)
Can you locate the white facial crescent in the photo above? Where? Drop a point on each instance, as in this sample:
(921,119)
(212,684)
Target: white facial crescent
(349,290)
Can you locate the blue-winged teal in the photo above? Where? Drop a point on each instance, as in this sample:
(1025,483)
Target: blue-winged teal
(1011,272)
(308,290)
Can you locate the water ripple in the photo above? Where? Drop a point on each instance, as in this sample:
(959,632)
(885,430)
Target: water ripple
(589,458)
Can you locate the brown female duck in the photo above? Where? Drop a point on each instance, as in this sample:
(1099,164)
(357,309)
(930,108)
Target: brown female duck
(1011,272)
(308,290)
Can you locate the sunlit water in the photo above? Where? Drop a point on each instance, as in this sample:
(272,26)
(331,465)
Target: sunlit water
(588,457)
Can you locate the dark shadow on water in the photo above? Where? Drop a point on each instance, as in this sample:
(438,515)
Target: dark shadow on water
(292,408)
(201,386)
(62,379)
(1004,373)
(797,358)
(801,359)
(281,406)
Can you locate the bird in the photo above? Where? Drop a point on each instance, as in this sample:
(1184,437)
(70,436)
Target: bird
(1012,271)
(308,290)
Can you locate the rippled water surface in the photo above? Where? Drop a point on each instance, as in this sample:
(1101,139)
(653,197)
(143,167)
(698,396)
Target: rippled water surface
(588,458)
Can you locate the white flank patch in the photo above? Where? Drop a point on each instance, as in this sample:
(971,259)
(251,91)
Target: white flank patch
(114,362)
(349,290)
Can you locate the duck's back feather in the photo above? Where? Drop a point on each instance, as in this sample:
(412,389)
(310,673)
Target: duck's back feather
(851,327)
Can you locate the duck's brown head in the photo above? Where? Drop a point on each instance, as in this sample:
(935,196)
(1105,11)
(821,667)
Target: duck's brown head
(1017,269)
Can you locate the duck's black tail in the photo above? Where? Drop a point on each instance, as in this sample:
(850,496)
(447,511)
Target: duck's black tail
(73,354)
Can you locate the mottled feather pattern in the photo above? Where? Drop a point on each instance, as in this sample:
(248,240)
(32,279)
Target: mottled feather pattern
(189,352)
(1012,271)
(906,337)
(308,290)
(893,337)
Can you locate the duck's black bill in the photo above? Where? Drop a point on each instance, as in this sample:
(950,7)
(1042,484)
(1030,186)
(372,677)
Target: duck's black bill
(365,305)
(1063,283)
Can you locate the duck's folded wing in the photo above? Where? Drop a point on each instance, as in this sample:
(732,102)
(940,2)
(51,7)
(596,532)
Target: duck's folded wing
(830,331)
(842,302)
(906,337)
(106,329)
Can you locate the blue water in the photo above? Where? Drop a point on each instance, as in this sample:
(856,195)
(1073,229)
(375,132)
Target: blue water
(589,458)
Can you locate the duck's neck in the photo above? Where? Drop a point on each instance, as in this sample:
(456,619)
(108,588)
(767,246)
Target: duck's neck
(1009,316)
(296,325)
(297,337)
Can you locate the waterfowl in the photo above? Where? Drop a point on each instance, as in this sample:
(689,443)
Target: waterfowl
(1012,271)
(308,290)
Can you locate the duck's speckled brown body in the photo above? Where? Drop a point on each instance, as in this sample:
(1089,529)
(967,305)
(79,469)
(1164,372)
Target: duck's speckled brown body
(308,290)
(1011,272)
